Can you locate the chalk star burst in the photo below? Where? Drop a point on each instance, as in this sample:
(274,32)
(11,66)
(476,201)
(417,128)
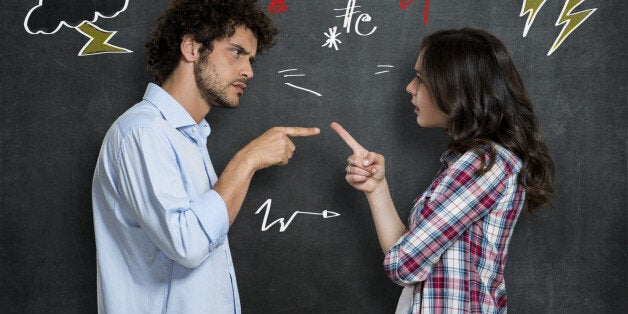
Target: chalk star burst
(332,38)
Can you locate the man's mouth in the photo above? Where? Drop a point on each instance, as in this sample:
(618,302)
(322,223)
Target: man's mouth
(240,87)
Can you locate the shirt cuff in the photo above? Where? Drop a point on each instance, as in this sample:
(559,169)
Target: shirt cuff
(212,215)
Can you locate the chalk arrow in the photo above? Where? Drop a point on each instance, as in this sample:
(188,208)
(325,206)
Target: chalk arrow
(329,214)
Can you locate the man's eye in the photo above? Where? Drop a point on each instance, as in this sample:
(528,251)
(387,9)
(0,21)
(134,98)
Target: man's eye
(236,52)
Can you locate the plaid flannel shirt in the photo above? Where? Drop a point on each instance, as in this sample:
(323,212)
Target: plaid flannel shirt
(460,227)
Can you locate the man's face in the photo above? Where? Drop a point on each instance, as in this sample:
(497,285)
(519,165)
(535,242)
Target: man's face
(222,74)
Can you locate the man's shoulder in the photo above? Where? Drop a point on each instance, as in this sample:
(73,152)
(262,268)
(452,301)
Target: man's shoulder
(142,114)
(136,120)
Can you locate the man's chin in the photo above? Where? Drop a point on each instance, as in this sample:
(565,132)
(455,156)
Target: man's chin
(226,105)
(222,103)
(229,106)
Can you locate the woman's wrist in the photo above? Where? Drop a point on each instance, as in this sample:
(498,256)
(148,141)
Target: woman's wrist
(380,189)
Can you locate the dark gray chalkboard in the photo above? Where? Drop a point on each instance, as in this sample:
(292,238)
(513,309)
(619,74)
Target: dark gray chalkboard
(56,106)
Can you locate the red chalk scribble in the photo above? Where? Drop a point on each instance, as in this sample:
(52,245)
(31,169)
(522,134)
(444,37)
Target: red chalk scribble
(277,6)
(426,10)
(405,3)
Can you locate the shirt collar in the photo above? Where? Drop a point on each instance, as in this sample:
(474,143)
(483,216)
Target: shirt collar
(449,156)
(171,109)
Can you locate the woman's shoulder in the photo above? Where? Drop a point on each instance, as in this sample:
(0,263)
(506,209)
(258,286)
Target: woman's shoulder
(504,159)
(506,156)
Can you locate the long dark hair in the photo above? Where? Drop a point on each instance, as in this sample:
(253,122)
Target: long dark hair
(205,20)
(474,81)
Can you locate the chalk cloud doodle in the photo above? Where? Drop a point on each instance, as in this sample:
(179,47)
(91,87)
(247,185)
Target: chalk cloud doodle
(568,19)
(50,15)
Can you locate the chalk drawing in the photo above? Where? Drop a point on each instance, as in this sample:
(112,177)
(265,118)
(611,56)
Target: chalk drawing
(569,19)
(277,6)
(403,4)
(284,225)
(46,18)
(332,38)
(384,66)
(295,86)
(348,24)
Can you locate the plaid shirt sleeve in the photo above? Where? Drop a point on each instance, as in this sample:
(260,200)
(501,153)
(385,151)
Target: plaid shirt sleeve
(459,197)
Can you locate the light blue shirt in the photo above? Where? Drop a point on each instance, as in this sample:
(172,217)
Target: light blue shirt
(161,230)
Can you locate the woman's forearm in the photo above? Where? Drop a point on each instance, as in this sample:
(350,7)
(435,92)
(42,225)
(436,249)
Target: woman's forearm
(387,221)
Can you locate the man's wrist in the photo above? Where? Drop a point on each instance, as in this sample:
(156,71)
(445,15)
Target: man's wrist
(244,162)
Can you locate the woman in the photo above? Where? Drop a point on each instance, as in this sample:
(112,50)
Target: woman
(451,258)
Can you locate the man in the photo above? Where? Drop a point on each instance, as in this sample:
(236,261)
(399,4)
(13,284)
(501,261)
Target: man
(161,215)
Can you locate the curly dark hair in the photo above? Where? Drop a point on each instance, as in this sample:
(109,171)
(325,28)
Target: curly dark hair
(205,21)
(475,83)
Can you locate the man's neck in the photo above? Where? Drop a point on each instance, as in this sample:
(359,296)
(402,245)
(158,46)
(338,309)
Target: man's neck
(183,89)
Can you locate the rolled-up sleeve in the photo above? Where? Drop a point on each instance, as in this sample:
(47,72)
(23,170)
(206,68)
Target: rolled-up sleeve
(185,228)
(215,222)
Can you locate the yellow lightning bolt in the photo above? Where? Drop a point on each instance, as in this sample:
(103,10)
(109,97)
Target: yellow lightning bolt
(571,21)
(530,7)
(98,42)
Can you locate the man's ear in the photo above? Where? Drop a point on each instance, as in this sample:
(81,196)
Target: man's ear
(189,48)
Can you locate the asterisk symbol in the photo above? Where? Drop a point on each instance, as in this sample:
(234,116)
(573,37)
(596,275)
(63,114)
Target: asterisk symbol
(332,40)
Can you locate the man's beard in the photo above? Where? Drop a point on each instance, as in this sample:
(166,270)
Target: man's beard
(208,83)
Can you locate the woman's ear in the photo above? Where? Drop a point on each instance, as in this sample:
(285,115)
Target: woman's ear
(189,48)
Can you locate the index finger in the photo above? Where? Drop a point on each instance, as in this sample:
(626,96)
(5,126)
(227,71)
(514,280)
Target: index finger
(299,131)
(353,144)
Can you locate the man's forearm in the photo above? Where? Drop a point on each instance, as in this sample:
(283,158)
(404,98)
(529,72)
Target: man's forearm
(234,183)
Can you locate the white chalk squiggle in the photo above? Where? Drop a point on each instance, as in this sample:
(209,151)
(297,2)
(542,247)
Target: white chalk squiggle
(284,225)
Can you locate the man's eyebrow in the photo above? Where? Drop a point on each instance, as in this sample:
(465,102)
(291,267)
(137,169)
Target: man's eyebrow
(243,51)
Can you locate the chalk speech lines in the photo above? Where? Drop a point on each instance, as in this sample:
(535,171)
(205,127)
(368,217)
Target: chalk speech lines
(288,73)
(295,86)
(384,66)
(283,225)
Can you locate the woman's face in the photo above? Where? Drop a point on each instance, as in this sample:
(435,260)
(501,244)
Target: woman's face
(428,114)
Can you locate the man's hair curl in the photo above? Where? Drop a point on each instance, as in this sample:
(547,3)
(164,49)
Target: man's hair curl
(205,21)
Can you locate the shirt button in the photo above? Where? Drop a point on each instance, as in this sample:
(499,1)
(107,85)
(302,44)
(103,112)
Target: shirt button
(194,129)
